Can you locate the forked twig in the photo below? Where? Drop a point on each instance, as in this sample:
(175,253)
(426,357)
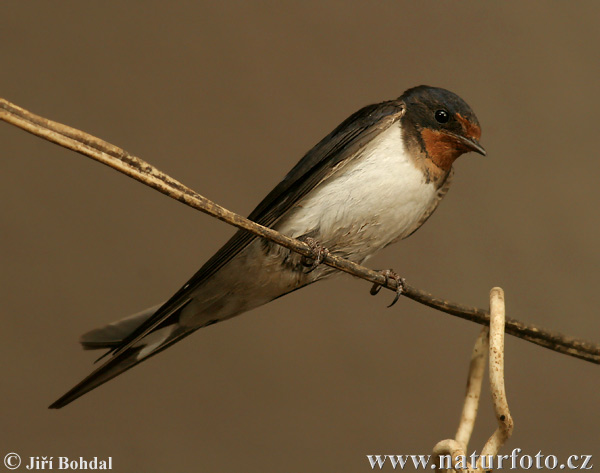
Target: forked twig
(140,170)
(455,449)
(505,421)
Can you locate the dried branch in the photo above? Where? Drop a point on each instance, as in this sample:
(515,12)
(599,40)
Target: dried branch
(138,169)
(471,404)
(489,342)
(505,421)
(455,451)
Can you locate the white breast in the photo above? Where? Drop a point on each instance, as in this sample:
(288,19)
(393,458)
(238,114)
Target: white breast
(374,199)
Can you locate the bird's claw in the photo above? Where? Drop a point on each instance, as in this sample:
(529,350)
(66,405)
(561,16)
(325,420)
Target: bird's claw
(400,282)
(319,252)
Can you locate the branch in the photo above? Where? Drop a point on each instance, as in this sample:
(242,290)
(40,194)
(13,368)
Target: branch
(140,170)
(497,388)
(475,379)
(490,343)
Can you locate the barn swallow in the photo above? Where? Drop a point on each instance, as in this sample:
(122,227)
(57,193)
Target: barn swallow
(372,181)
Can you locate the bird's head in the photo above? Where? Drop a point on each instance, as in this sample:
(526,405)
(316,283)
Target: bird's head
(440,124)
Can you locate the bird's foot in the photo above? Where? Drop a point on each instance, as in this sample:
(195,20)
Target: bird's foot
(319,252)
(400,282)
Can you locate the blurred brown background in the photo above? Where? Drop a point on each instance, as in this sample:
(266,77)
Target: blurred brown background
(227,97)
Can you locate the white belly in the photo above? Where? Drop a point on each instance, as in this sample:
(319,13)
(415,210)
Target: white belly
(374,200)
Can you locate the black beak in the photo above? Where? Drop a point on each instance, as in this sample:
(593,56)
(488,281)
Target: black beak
(472,144)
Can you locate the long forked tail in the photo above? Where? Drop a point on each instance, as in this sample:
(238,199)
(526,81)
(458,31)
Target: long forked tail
(111,337)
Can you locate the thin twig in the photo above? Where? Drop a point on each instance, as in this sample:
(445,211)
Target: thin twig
(451,453)
(138,169)
(455,451)
(505,421)
(475,379)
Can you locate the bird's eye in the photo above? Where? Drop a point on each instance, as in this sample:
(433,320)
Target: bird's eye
(442,116)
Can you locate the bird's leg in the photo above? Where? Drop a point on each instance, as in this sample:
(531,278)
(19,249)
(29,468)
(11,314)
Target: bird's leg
(400,282)
(319,252)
